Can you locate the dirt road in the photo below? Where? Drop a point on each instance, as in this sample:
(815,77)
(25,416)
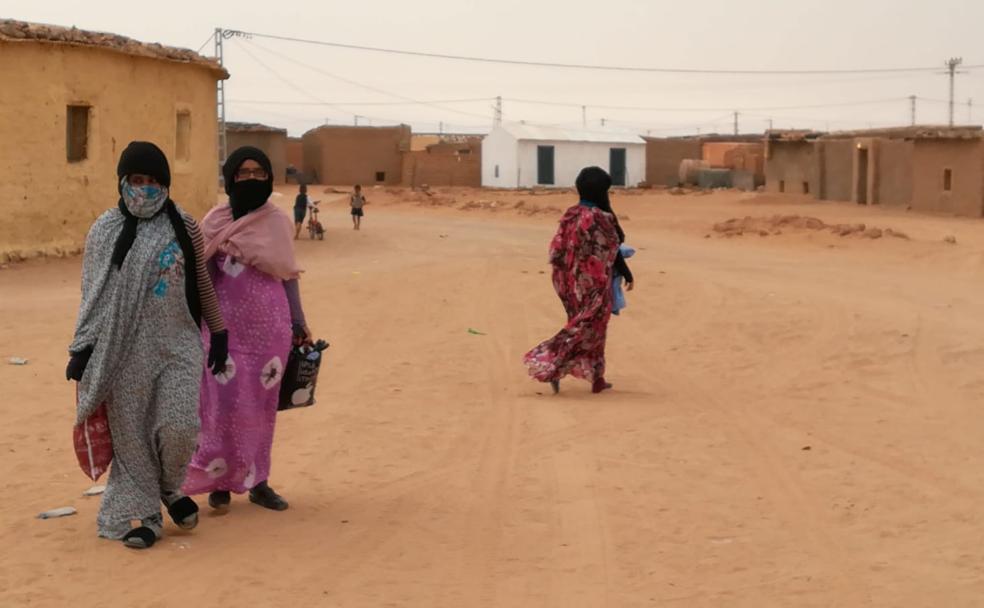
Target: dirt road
(796,422)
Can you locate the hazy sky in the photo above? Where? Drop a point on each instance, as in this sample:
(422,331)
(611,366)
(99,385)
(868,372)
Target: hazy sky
(713,34)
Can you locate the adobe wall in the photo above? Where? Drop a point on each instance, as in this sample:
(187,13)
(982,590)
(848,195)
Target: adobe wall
(47,202)
(965,158)
(788,165)
(738,156)
(444,165)
(894,168)
(353,155)
(663,157)
(272,143)
(836,175)
(295,153)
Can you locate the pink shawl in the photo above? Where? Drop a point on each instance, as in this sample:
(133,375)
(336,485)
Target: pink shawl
(263,239)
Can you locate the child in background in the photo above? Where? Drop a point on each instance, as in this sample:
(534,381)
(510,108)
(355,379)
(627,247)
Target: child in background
(300,210)
(358,202)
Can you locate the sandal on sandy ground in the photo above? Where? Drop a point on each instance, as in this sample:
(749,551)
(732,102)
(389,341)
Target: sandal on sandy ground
(264,496)
(183,512)
(140,537)
(600,385)
(219,500)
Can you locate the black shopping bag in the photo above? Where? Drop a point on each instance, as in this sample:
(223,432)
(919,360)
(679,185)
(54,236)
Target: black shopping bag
(301,376)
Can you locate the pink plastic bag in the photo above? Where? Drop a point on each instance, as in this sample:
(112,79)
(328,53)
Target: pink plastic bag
(94,444)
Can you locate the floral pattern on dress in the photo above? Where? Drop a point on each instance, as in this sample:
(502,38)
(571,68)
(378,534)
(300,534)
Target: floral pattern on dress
(582,253)
(170,267)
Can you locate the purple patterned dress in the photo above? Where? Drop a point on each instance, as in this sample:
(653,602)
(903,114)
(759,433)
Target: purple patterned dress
(239,407)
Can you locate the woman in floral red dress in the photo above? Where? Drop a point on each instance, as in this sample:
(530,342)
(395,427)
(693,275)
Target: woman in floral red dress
(582,253)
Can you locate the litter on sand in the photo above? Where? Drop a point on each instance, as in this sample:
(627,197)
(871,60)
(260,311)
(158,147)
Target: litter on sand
(475,332)
(17,361)
(94,491)
(62,512)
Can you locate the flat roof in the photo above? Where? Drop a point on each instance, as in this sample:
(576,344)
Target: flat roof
(252,127)
(905,132)
(528,132)
(22,31)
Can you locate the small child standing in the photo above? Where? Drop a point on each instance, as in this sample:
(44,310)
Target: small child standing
(358,202)
(300,209)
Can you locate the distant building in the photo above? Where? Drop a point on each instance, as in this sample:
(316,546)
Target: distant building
(272,140)
(520,155)
(926,168)
(72,100)
(342,155)
(295,157)
(741,154)
(446,160)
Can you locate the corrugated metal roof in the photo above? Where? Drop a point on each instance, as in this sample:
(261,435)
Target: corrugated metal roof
(525,132)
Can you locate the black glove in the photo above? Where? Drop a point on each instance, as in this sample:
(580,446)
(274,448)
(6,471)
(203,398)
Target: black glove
(218,352)
(77,363)
(300,333)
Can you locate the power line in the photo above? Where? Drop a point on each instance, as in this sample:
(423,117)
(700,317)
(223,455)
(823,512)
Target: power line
(361,103)
(205,44)
(718,109)
(365,86)
(578,66)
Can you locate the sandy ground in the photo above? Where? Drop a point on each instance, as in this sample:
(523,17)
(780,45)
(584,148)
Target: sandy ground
(796,422)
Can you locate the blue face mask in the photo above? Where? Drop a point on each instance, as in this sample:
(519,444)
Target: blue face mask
(143,201)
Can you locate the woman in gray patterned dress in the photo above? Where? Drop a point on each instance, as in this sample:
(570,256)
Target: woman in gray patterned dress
(137,346)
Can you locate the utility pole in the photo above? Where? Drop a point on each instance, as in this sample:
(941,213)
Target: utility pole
(970,111)
(497,119)
(951,66)
(603,122)
(220,99)
(770,124)
(440,128)
(736,123)
(912,109)
(584,116)
(357,117)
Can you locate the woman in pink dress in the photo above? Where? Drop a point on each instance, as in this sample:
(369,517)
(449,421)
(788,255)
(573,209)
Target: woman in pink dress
(583,253)
(250,254)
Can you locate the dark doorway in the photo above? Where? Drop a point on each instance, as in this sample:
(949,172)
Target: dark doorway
(862,185)
(545,165)
(616,166)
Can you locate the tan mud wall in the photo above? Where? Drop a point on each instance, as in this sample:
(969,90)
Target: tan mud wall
(273,144)
(793,163)
(894,173)
(295,152)
(738,156)
(353,155)
(966,160)
(47,204)
(440,166)
(663,159)
(838,169)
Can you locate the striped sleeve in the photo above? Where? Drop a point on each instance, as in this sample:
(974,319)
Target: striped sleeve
(206,292)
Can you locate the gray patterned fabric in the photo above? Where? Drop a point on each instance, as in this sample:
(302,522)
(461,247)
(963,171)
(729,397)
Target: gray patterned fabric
(146,366)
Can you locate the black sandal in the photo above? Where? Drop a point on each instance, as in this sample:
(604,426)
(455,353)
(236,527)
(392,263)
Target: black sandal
(141,537)
(263,495)
(183,512)
(219,500)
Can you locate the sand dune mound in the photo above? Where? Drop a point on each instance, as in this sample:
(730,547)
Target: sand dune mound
(777,224)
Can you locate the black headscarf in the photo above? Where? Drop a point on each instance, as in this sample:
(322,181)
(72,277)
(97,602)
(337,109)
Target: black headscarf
(247,195)
(593,184)
(145,158)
